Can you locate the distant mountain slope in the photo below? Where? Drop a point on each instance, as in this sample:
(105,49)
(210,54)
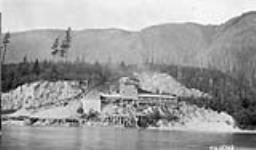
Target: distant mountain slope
(177,43)
(168,43)
(227,47)
(33,44)
(233,48)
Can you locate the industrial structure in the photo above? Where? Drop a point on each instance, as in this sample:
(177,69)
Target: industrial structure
(130,92)
(129,100)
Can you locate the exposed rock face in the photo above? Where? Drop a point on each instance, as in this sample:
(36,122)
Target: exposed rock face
(165,84)
(192,117)
(53,112)
(40,94)
(181,117)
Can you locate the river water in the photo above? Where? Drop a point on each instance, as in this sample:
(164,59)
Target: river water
(106,138)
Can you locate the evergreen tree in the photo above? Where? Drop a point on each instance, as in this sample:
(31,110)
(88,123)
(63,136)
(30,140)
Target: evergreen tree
(66,43)
(24,67)
(54,73)
(36,68)
(55,46)
(97,65)
(122,65)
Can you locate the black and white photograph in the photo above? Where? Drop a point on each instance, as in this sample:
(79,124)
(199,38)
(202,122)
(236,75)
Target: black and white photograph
(127,75)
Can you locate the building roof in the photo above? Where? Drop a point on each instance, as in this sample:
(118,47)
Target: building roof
(156,96)
(116,96)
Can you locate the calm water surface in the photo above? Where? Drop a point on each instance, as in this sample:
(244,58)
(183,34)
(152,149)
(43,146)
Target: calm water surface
(96,138)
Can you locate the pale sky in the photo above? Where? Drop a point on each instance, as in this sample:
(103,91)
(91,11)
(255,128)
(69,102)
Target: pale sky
(20,15)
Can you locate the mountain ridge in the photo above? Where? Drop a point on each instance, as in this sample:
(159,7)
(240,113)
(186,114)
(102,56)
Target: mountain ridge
(226,47)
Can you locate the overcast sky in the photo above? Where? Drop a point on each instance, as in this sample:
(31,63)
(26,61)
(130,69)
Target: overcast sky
(19,15)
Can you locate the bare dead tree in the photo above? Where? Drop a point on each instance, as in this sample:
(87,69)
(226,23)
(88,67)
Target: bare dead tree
(66,43)
(5,42)
(0,75)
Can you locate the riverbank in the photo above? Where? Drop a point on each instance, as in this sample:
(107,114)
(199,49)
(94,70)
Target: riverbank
(106,126)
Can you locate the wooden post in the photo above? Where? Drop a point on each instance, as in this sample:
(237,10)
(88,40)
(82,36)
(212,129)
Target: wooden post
(0,73)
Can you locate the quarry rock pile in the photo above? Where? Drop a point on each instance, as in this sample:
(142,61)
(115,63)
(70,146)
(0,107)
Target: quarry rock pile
(183,117)
(40,94)
(165,84)
(195,118)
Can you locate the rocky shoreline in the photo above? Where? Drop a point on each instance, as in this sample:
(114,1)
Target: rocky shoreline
(102,124)
(189,118)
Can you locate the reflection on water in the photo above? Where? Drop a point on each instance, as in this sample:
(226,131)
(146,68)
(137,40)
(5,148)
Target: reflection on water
(94,138)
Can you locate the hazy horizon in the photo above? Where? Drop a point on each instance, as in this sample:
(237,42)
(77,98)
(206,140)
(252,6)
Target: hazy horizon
(133,15)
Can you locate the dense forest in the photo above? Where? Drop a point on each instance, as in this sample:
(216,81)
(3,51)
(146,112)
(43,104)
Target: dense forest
(15,75)
(232,95)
